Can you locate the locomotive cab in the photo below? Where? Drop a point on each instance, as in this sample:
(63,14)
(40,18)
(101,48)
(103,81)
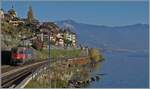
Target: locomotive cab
(20,55)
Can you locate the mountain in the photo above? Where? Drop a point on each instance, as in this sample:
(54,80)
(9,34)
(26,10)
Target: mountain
(132,37)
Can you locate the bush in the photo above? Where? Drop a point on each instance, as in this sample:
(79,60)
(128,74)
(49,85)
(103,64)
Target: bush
(95,55)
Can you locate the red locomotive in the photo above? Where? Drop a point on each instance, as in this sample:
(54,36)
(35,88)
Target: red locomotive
(21,55)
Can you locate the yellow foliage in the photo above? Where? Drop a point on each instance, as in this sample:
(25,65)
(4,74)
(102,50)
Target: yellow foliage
(95,54)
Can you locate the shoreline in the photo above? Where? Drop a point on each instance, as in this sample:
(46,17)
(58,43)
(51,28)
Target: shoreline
(63,74)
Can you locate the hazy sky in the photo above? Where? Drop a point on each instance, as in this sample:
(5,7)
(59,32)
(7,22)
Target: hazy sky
(111,13)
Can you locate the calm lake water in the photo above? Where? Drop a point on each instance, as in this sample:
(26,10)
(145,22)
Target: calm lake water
(123,70)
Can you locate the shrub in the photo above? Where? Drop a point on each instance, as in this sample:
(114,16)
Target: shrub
(95,55)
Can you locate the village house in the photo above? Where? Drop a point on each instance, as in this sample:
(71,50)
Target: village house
(74,39)
(46,29)
(59,40)
(70,38)
(12,18)
(1,14)
(16,21)
(58,37)
(12,13)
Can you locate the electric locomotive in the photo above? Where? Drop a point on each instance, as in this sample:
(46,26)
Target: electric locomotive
(21,55)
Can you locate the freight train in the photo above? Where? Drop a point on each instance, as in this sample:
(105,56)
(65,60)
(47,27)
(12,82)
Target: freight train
(21,55)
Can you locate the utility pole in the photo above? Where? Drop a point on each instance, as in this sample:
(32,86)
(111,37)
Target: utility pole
(23,40)
(49,55)
(49,46)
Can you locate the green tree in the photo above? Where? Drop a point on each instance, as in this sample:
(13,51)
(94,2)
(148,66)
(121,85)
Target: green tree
(30,15)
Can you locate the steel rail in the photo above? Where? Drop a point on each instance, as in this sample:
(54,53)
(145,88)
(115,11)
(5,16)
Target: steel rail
(13,78)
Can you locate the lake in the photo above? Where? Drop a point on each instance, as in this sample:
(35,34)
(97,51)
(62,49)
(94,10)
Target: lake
(123,70)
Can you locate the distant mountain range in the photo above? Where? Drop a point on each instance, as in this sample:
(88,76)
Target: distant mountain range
(131,37)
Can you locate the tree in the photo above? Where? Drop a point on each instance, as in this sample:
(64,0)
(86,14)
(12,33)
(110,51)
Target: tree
(30,15)
(95,55)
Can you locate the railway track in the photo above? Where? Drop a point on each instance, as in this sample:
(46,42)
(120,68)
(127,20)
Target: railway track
(6,68)
(14,77)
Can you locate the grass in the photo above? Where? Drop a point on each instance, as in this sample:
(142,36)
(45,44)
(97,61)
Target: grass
(43,54)
(47,84)
(54,53)
(58,53)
